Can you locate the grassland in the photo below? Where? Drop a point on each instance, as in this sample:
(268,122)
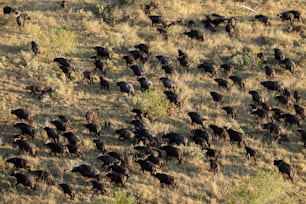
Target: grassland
(72,34)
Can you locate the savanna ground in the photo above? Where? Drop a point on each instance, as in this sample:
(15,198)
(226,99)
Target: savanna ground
(74,32)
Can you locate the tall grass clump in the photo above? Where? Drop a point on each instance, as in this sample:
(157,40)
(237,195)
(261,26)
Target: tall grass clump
(264,187)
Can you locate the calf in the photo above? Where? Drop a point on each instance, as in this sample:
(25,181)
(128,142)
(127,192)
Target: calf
(117,178)
(108,160)
(100,145)
(237,80)
(87,171)
(64,4)
(130,60)
(56,148)
(273,128)
(257,99)
(289,64)
(35,48)
(250,152)
(173,98)
(100,65)
(157,20)
(24,180)
(211,153)
(165,179)
(125,134)
(102,52)
(93,128)
(297,96)
(52,134)
(119,170)
(72,138)
(26,129)
(60,126)
(290,15)
(87,75)
(218,131)
(273,85)
(156,160)
(21,19)
(175,138)
(74,149)
(137,70)
(230,111)
(117,155)
(208,67)
(126,88)
(145,83)
(98,186)
(297,29)
(222,83)
(143,47)
(217,97)
(196,118)
(104,83)
(20,163)
(278,54)
(25,146)
(167,83)
(169,69)
(235,136)
(195,34)
(173,152)
(214,166)
(284,168)
(227,68)
(201,135)
(299,110)
(270,72)
(262,18)
(146,166)
(67,189)
(22,114)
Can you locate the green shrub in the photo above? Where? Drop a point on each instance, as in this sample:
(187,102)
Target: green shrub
(264,187)
(121,197)
(154,102)
(115,11)
(57,41)
(246,60)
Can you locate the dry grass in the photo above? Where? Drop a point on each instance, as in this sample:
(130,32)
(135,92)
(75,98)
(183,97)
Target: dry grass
(129,26)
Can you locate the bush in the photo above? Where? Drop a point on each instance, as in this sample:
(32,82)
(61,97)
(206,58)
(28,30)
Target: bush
(264,187)
(57,41)
(153,102)
(114,12)
(121,197)
(246,60)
